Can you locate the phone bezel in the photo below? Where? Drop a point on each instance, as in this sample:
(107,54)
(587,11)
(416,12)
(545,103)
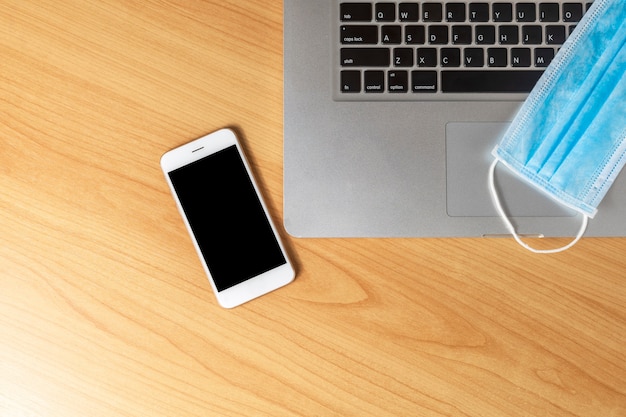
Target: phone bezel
(255,286)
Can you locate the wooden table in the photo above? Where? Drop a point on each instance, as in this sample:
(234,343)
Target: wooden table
(104,308)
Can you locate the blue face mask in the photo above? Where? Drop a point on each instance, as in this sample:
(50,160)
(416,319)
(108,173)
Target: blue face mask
(569,138)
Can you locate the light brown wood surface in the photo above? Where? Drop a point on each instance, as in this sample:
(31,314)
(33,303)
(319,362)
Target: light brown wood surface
(105,310)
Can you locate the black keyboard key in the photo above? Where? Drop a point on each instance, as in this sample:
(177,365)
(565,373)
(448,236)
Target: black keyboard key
(374,81)
(455,12)
(350,81)
(479,12)
(572,12)
(485,35)
(525,12)
(532,35)
(543,57)
(438,35)
(450,57)
(426,57)
(415,35)
(496,57)
(520,57)
(391,34)
(555,35)
(508,35)
(461,35)
(403,57)
(357,34)
(424,81)
(493,81)
(474,57)
(549,12)
(365,57)
(398,81)
(432,12)
(408,12)
(502,12)
(385,12)
(355,12)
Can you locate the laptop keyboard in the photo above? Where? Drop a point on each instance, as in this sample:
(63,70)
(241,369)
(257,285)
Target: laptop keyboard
(442,50)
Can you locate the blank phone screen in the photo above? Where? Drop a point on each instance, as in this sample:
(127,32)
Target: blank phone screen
(227,218)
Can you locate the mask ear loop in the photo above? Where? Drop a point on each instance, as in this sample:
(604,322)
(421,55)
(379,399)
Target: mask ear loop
(509,225)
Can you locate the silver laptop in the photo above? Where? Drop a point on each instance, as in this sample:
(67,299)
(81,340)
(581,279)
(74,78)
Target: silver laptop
(391,110)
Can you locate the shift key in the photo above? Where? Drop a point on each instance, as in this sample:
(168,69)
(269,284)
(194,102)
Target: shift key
(365,57)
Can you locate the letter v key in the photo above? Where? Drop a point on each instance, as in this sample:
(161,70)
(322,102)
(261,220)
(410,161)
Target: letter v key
(474,57)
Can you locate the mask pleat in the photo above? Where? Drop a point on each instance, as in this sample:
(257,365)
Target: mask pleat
(599,131)
(585,92)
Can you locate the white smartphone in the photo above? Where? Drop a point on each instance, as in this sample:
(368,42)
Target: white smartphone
(226,217)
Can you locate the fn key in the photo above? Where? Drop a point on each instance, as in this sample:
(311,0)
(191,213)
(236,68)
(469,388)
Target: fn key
(350,81)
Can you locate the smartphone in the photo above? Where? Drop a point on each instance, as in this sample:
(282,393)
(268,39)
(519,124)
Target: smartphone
(227,219)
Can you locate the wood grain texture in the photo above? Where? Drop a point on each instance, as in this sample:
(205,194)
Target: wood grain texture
(104,308)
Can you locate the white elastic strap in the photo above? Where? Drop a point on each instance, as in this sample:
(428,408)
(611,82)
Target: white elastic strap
(509,225)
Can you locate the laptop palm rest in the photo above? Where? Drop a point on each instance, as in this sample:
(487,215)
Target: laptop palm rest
(468,157)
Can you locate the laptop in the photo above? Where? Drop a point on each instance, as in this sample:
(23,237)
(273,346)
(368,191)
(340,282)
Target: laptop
(391,110)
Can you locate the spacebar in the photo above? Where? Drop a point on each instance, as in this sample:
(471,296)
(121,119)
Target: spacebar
(489,81)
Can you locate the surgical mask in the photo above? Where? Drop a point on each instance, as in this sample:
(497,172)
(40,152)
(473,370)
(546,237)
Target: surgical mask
(569,137)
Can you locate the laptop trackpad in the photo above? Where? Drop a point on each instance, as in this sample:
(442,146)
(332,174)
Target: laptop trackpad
(468,157)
